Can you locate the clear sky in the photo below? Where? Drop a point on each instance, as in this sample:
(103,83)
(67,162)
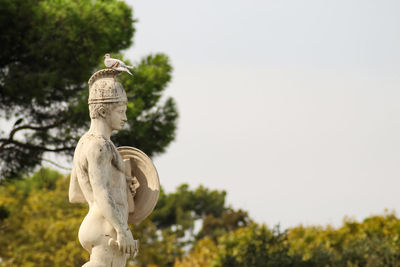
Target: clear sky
(290,106)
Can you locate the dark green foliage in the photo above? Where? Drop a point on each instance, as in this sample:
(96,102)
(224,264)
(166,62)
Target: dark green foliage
(175,217)
(184,207)
(41,226)
(374,243)
(35,213)
(4,213)
(49,49)
(254,246)
(229,220)
(38,227)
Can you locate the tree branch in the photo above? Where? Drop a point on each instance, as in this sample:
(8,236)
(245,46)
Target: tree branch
(37,128)
(30,146)
(56,164)
(10,139)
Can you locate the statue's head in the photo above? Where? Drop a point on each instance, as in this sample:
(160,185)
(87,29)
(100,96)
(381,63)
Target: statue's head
(107,98)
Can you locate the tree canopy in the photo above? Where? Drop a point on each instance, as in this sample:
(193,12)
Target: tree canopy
(38,227)
(49,49)
(372,242)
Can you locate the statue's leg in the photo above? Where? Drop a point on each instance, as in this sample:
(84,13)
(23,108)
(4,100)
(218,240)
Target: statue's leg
(102,256)
(119,259)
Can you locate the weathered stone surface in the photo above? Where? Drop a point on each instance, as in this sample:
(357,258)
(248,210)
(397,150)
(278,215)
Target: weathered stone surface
(115,189)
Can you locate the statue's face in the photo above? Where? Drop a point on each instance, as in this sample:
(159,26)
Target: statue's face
(117,117)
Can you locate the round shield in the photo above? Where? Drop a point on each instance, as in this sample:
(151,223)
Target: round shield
(147,193)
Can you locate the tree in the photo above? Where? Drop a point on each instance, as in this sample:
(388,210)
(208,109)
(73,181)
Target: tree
(37,220)
(372,242)
(230,220)
(175,217)
(183,207)
(202,255)
(49,49)
(39,227)
(252,246)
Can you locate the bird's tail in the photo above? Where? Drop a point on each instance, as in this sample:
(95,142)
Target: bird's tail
(129,67)
(123,69)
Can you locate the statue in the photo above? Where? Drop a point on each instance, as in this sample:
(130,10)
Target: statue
(120,185)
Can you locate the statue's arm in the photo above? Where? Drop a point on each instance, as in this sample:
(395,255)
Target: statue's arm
(99,168)
(75,192)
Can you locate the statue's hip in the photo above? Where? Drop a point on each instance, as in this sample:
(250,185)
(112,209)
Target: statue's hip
(95,229)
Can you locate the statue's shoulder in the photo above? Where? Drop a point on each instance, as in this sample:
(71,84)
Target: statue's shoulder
(95,145)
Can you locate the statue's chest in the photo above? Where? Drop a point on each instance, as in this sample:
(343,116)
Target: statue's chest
(118,186)
(117,179)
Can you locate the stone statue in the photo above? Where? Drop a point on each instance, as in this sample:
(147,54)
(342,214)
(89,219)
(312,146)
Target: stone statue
(120,185)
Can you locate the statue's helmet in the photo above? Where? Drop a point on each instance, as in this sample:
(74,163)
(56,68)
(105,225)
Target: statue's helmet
(104,87)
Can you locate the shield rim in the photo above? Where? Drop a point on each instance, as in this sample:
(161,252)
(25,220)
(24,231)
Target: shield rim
(131,152)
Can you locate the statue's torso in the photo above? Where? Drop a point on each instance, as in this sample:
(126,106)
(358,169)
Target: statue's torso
(114,167)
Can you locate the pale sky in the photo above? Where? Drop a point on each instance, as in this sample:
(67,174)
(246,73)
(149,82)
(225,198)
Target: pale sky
(292,107)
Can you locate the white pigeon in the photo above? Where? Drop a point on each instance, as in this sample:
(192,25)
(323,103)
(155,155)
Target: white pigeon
(116,64)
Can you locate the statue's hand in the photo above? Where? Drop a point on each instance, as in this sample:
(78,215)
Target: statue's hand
(125,242)
(133,186)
